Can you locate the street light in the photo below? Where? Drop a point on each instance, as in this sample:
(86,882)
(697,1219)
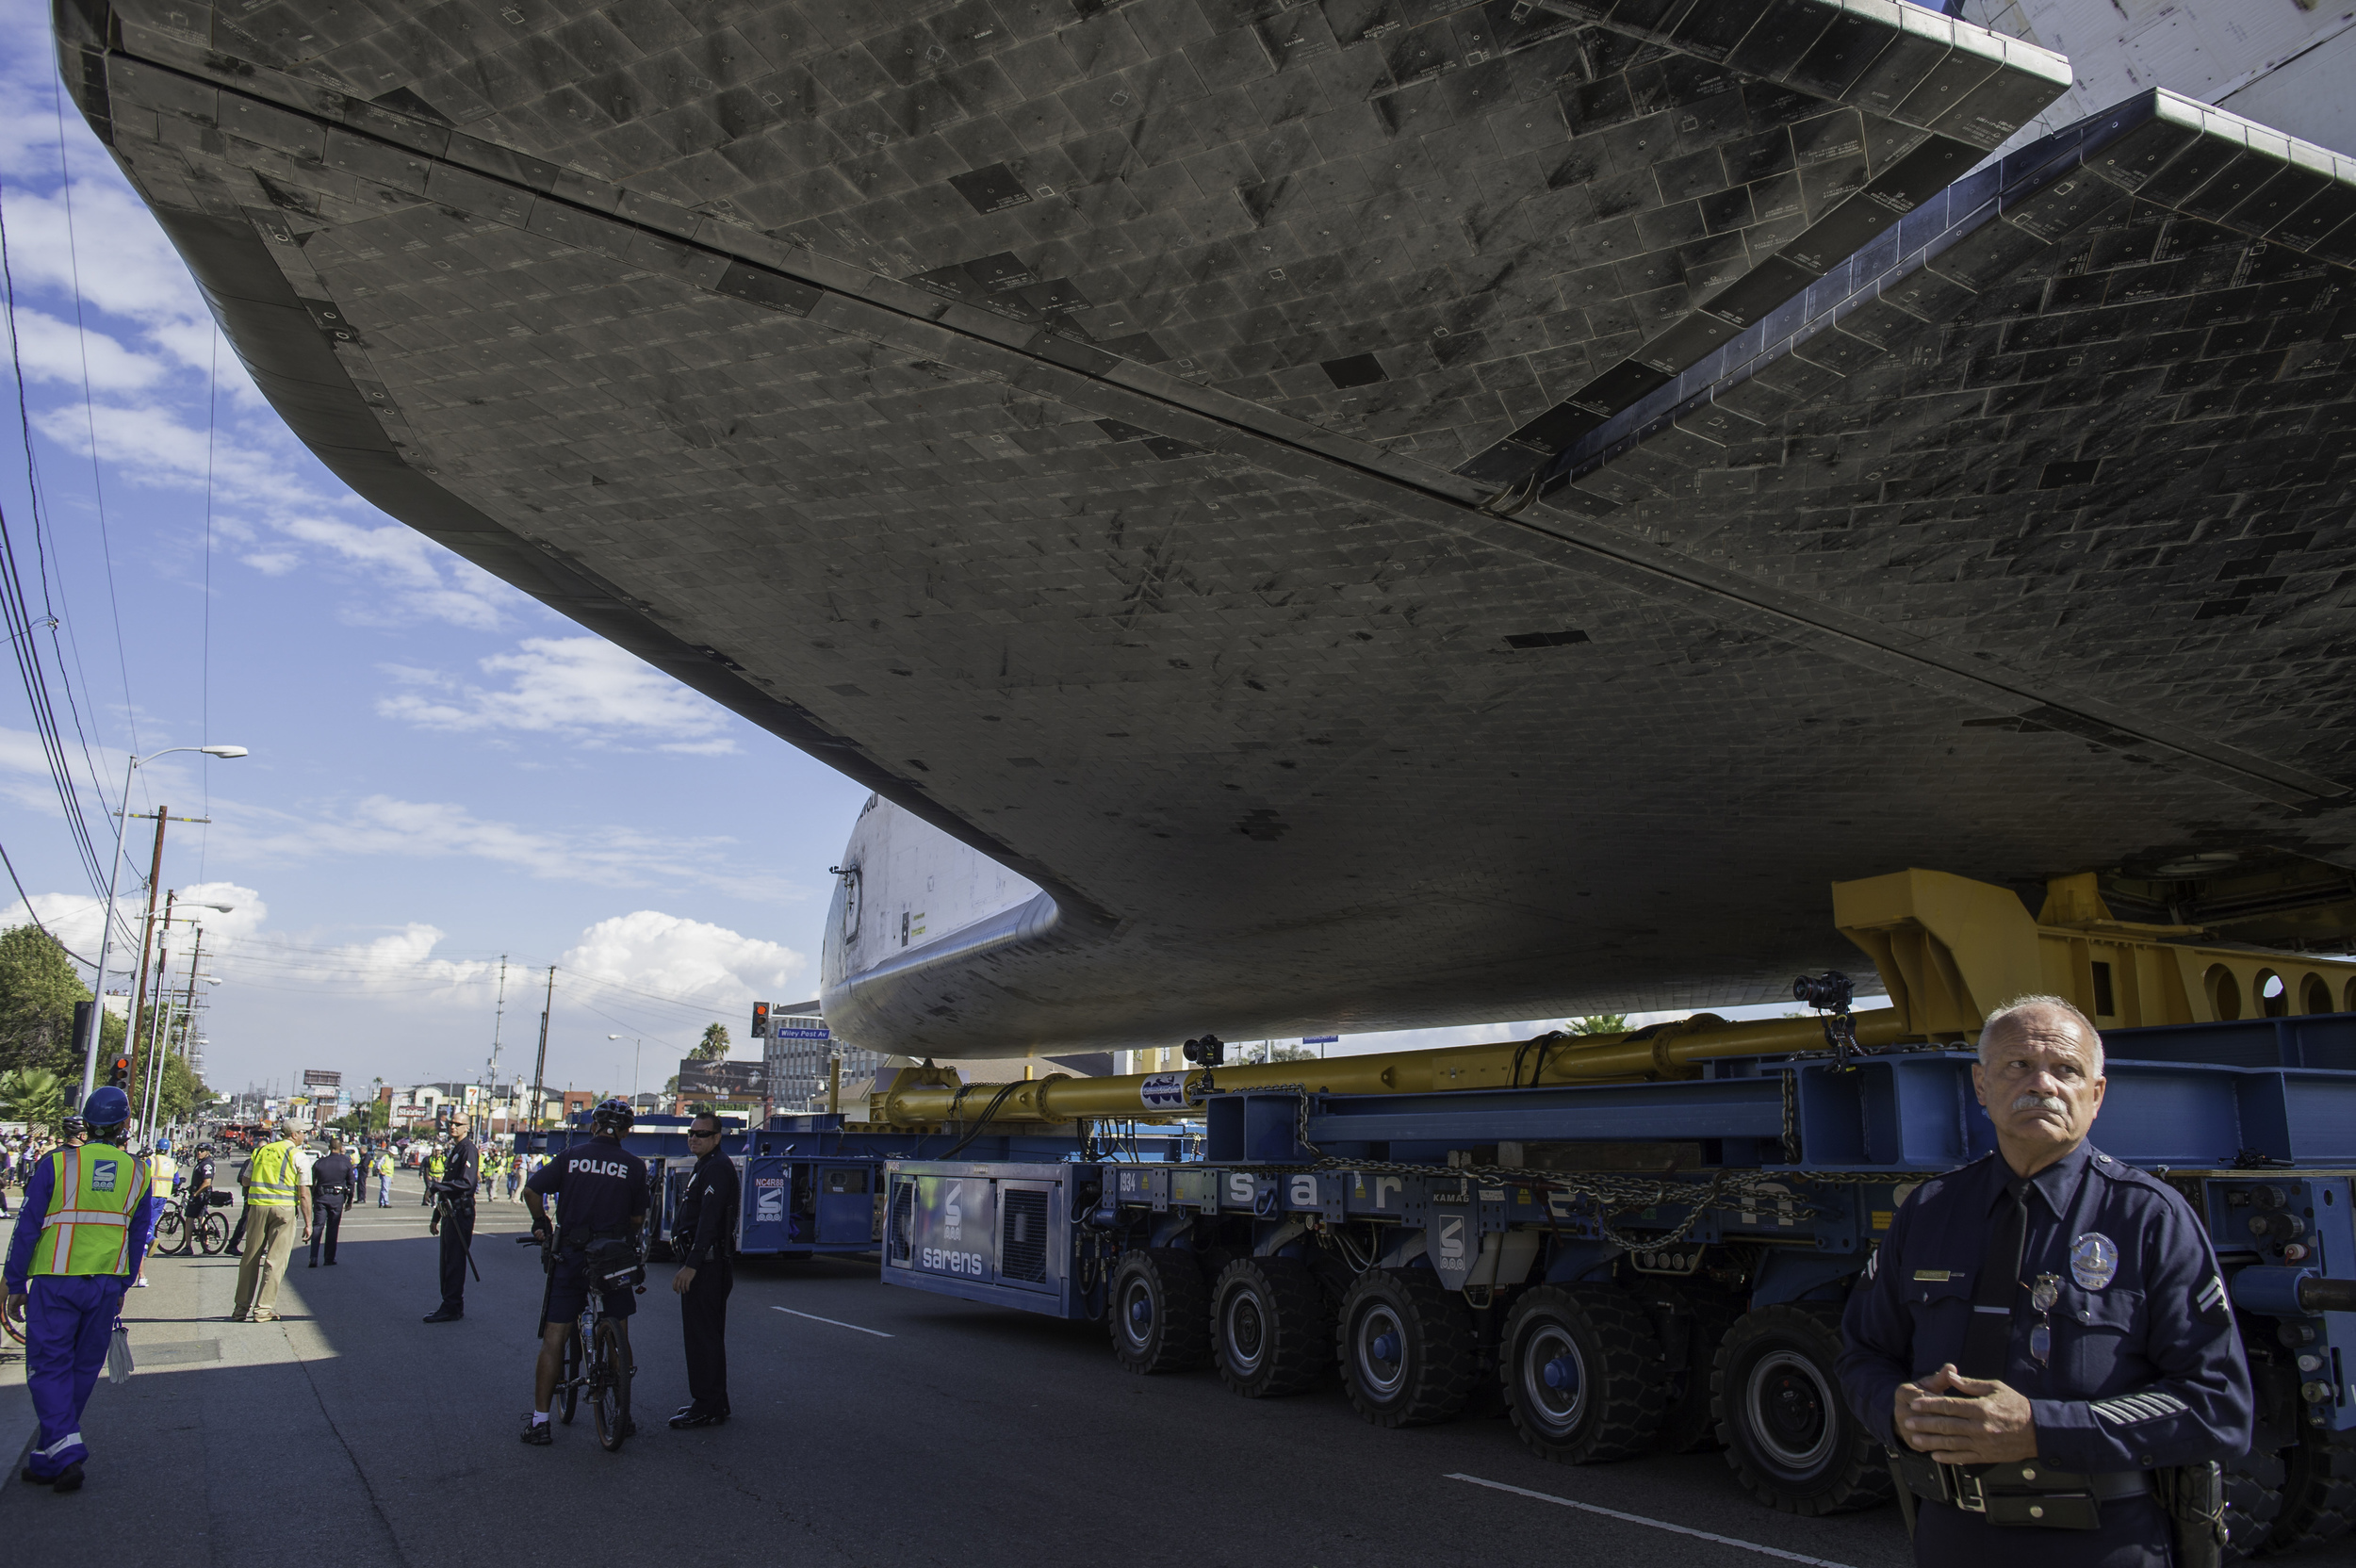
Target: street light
(107,921)
(638,1049)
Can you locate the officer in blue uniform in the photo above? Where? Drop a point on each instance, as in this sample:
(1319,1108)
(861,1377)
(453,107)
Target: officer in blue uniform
(2043,1340)
(86,1224)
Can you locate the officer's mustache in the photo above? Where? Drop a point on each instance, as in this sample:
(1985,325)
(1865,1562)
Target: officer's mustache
(2053,1103)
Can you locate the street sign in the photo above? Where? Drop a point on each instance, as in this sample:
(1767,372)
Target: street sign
(410,1113)
(777,1032)
(1321,1039)
(320,1078)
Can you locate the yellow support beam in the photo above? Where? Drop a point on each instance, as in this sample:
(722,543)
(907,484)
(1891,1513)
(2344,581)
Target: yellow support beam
(1951,950)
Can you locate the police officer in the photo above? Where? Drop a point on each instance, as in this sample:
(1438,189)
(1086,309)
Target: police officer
(452,1195)
(77,1247)
(600,1191)
(706,1217)
(2044,1342)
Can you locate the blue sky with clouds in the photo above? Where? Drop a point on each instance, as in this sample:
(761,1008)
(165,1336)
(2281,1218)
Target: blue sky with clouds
(443,771)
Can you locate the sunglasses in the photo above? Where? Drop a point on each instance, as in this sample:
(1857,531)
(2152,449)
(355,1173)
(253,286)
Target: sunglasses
(692,1133)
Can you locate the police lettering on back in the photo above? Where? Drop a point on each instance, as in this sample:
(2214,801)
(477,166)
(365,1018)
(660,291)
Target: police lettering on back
(596,1187)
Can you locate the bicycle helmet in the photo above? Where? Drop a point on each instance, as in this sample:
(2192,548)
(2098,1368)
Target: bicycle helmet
(73,1127)
(612,1116)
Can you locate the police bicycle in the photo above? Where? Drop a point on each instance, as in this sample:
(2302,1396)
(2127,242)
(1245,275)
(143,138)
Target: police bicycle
(193,1222)
(594,1361)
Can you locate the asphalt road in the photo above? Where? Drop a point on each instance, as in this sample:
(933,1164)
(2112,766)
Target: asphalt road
(911,1430)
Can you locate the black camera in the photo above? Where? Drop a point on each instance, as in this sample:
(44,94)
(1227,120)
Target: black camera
(1829,992)
(1210,1050)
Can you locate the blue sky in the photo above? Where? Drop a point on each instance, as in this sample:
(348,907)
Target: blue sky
(442,771)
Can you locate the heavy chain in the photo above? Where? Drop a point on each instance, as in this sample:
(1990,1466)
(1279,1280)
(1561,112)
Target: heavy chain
(1612,1193)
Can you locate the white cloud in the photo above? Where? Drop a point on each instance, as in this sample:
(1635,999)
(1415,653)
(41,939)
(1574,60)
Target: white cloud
(651,951)
(383,825)
(50,349)
(584,687)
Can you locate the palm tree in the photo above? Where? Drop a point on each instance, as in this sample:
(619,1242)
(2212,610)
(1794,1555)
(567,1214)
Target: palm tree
(34,1096)
(1599,1023)
(714,1047)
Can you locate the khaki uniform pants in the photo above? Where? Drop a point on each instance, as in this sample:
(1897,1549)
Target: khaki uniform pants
(268,1240)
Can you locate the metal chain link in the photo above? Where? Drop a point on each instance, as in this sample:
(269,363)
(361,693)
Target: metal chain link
(1621,1194)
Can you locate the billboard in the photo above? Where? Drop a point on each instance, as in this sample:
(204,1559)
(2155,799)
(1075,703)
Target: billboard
(721,1080)
(319,1078)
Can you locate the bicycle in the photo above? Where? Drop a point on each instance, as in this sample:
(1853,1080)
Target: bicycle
(594,1359)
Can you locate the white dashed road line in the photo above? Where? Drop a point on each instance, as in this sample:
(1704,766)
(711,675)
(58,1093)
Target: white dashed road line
(837,1322)
(1776,1552)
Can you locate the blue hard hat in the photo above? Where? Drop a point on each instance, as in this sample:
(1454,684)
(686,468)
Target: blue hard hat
(107,1107)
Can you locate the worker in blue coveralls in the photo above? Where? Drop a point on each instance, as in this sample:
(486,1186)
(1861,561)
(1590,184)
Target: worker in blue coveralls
(2044,1342)
(77,1246)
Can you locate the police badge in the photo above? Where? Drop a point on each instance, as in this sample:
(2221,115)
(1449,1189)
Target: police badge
(2093,1260)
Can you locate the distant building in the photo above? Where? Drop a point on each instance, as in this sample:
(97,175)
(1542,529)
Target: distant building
(796,1054)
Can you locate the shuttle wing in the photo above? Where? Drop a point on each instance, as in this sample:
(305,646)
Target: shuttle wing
(1238,466)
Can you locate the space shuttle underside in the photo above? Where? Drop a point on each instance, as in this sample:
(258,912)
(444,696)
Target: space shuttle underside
(1352,514)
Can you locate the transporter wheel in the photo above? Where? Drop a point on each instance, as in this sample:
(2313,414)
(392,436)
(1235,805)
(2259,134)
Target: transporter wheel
(2254,1500)
(1406,1349)
(1789,1434)
(1582,1374)
(2318,1491)
(1160,1317)
(1270,1332)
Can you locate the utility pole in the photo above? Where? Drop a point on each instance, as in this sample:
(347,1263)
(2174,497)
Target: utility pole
(540,1067)
(498,1014)
(196,963)
(163,988)
(147,931)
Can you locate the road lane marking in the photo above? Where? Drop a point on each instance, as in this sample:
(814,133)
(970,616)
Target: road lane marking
(837,1322)
(1640,1519)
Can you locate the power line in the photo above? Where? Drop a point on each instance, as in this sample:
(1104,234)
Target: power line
(19,618)
(89,410)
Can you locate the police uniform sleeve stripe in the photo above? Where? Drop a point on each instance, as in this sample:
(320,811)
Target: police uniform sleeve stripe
(2126,1410)
(2213,1293)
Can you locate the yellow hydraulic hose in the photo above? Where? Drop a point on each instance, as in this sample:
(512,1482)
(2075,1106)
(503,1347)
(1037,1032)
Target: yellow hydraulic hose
(1666,1051)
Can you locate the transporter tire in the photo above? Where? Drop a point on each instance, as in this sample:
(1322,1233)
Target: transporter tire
(2318,1491)
(1790,1436)
(1406,1349)
(1271,1333)
(1157,1312)
(2254,1500)
(1582,1374)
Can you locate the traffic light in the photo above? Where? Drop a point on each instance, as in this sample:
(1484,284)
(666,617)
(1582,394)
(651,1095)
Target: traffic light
(118,1073)
(761,1021)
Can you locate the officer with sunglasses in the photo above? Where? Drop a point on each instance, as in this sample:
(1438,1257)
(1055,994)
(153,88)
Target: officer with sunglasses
(703,1236)
(2044,1342)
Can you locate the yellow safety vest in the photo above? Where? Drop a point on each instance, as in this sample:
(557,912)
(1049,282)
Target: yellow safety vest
(270,1183)
(384,1165)
(96,1192)
(434,1165)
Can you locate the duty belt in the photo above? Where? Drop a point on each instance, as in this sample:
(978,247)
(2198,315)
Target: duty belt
(2026,1492)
